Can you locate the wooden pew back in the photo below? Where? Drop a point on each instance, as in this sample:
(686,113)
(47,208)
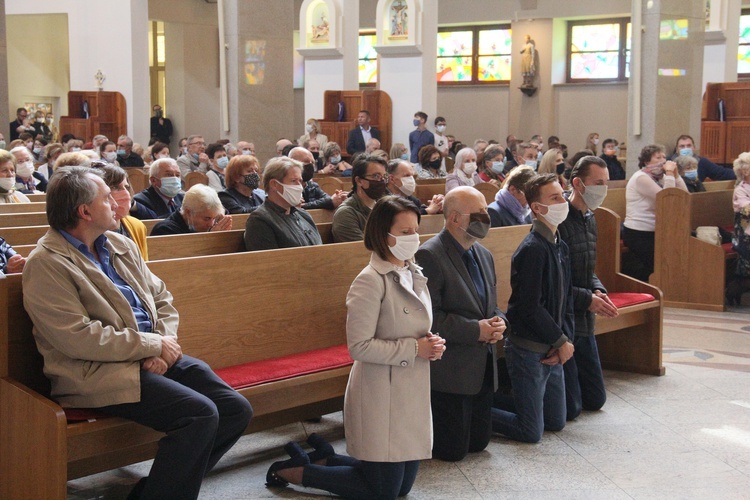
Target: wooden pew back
(615,201)
(488,190)
(19,208)
(23,219)
(425,192)
(719,185)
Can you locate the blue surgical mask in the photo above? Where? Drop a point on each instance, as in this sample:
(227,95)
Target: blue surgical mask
(686,151)
(170,186)
(531,163)
(497,167)
(196,155)
(405,156)
(335,159)
(246,152)
(120,152)
(222,162)
(691,175)
(415,122)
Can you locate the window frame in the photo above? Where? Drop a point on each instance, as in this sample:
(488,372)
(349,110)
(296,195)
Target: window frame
(475,29)
(742,76)
(367,32)
(621,51)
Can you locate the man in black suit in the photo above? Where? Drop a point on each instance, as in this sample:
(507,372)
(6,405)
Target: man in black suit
(163,197)
(125,155)
(161,128)
(359,136)
(462,283)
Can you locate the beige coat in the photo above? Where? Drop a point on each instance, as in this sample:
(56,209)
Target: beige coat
(84,327)
(387,413)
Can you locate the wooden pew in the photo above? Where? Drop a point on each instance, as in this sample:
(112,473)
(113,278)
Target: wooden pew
(615,201)
(616,184)
(488,190)
(425,192)
(194,178)
(35,435)
(691,273)
(719,185)
(23,219)
(27,235)
(137,178)
(331,184)
(321,215)
(633,340)
(19,208)
(40,197)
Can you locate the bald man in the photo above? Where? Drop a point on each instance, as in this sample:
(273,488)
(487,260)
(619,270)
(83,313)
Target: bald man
(281,144)
(462,284)
(313,195)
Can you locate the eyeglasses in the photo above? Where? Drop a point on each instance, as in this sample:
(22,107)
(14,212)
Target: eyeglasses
(376,177)
(198,143)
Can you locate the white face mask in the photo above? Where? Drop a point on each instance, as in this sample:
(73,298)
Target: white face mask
(469,168)
(111,156)
(593,196)
(595,141)
(408,185)
(440,128)
(308,128)
(292,193)
(7,184)
(406,246)
(25,169)
(556,214)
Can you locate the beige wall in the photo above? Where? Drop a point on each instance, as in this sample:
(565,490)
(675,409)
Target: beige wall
(582,109)
(33,72)
(474,112)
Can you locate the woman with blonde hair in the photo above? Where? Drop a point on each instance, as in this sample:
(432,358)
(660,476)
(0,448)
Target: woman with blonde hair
(399,152)
(740,282)
(591,142)
(553,163)
(312,131)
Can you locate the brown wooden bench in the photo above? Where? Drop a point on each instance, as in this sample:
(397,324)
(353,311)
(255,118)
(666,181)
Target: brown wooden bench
(23,219)
(719,185)
(691,273)
(331,184)
(194,178)
(616,184)
(40,197)
(487,189)
(615,200)
(40,450)
(18,208)
(137,178)
(425,192)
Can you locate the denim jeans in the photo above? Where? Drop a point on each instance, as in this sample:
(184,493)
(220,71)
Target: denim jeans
(584,382)
(538,396)
(348,477)
(202,417)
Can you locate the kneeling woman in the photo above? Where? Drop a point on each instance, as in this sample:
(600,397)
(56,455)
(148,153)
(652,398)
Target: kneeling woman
(387,402)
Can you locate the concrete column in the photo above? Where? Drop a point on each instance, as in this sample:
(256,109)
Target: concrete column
(334,68)
(259,72)
(666,76)
(722,39)
(409,77)
(4,72)
(529,115)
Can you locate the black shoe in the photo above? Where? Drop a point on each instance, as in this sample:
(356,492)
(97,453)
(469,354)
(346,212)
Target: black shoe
(734,292)
(323,449)
(299,459)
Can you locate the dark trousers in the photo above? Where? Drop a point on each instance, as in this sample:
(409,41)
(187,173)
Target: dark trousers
(202,418)
(462,424)
(584,381)
(348,477)
(641,244)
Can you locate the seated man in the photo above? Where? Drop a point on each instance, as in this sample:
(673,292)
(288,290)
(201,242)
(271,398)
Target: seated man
(402,182)
(126,157)
(201,212)
(278,223)
(107,331)
(313,196)
(163,197)
(369,184)
(10,261)
(196,159)
(706,168)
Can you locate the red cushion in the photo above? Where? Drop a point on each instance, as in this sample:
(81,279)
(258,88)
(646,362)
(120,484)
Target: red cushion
(269,370)
(257,372)
(727,247)
(729,228)
(621,299)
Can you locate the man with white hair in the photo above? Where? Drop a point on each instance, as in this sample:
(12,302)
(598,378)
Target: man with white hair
(201,212)
(246,148)
(372,145)
(163,197)
(28,181)
(281,144)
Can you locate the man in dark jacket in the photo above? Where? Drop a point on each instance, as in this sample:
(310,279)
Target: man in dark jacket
(163,197)
(313,195)
(540,312)
(584,382)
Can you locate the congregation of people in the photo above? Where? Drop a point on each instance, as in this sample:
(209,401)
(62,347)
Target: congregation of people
(423,326)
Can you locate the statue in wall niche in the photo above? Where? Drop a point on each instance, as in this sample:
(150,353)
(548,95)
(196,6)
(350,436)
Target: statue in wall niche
(399,20)
(319,33)
(528,63)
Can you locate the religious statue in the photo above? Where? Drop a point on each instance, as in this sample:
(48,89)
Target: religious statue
(528,64)
(399,20)
(320,32)
(99,76)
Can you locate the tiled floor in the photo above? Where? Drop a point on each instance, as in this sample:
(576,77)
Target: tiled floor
(684,435)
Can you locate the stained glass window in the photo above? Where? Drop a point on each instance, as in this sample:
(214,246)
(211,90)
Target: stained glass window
(599,50)
(368,59)
(743,50)
(458,48)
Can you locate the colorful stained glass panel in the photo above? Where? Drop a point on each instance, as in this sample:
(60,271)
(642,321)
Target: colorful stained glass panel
(744,29)
(594,65)
(595,37)
(368,71)
(454,43)
(454,69)
(493,42)
(368,65)
(493,68)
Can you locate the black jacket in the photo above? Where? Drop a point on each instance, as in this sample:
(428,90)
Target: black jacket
(578,231)
(315,197)
(174,224)
(540,309)
(150,199)
(616,172)
(356,141)
(237,203)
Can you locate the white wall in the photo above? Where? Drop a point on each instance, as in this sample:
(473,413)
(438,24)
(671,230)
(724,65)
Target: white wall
(111,36)
(582,109)
(34,73)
